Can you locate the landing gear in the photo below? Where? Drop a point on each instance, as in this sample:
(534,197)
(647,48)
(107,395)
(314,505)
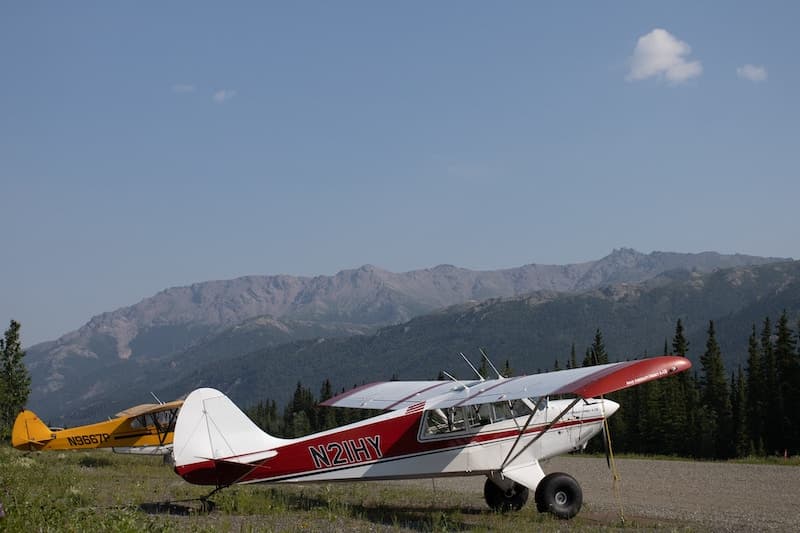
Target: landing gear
(559,494)
(501,500)
(206,505)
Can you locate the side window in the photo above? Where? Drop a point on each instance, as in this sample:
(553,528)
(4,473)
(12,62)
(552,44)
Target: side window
(502,411)
(507,410)
(520,409)
(443,421)
(138,422)
(479,415)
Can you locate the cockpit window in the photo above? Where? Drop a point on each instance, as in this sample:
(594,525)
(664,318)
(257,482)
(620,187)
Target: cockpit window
(441,421)
(460,419)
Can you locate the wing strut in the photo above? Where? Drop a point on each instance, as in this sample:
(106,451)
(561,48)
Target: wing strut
(524,427)
(542,432)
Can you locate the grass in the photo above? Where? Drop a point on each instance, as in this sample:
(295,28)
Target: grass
(102,491)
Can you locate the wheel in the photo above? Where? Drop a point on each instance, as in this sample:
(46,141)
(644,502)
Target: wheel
(505,500)
(559,494)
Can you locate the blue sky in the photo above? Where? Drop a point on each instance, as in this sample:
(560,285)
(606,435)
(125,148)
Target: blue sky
(154,144)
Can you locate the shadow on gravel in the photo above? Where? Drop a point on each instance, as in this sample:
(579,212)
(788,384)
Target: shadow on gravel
(419,518)
(167,508)
(430,517)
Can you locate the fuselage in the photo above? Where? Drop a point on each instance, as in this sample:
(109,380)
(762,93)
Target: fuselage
(151,430)
(413,443)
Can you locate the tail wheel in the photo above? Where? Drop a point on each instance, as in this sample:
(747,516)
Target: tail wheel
(559,494)
(505,500)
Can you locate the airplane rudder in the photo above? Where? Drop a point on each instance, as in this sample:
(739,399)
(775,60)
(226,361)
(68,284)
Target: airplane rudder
(29,432)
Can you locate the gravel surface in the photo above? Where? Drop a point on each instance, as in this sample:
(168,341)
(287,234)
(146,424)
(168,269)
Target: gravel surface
(678,494)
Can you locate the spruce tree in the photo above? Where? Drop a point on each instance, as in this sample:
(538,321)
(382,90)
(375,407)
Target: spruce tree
(741,439)
(716,396)
(684,395)
(15,383)
(598,350)
(680,346)
(787,371)
(326,415)
(755,395)
(773,413)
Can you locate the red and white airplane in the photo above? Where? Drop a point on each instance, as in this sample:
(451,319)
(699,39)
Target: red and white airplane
(500,428)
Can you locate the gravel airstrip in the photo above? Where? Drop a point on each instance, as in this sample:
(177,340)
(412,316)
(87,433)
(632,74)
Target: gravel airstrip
(701,496)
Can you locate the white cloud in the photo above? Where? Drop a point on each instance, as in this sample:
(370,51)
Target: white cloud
(660,54)
(183,88)
(752,72)
(223,95)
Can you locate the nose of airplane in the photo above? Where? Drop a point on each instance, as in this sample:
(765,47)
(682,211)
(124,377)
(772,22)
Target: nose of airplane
(610,407)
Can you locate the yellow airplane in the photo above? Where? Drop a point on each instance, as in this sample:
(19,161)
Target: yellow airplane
(146,428)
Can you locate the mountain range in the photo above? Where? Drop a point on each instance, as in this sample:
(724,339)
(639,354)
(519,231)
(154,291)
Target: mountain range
(256,336)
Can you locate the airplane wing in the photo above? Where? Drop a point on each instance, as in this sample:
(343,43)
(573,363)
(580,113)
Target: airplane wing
(392,395)
(586,382)
(147,408)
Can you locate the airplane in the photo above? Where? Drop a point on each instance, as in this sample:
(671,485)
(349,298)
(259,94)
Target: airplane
(500,428)
(143,429)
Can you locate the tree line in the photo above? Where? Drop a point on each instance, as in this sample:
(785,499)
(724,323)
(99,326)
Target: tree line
(712,412)
(707,413)
(303,414)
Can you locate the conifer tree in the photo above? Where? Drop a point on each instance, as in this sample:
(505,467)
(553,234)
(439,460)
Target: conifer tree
(300,414)
(741,439)
(774,408)
(15,383)
(573,361)
(716,396)
(755,395)
(326,416)
(587,358)
(598,349)
(787,371)
(680,397)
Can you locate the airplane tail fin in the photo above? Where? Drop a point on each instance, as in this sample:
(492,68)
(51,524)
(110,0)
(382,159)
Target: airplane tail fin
(213,436)
(29,432)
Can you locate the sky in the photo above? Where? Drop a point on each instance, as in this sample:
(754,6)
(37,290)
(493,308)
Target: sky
(146,145)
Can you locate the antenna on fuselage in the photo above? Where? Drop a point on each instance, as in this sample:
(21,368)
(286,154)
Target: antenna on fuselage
(471,366)
(486,357)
